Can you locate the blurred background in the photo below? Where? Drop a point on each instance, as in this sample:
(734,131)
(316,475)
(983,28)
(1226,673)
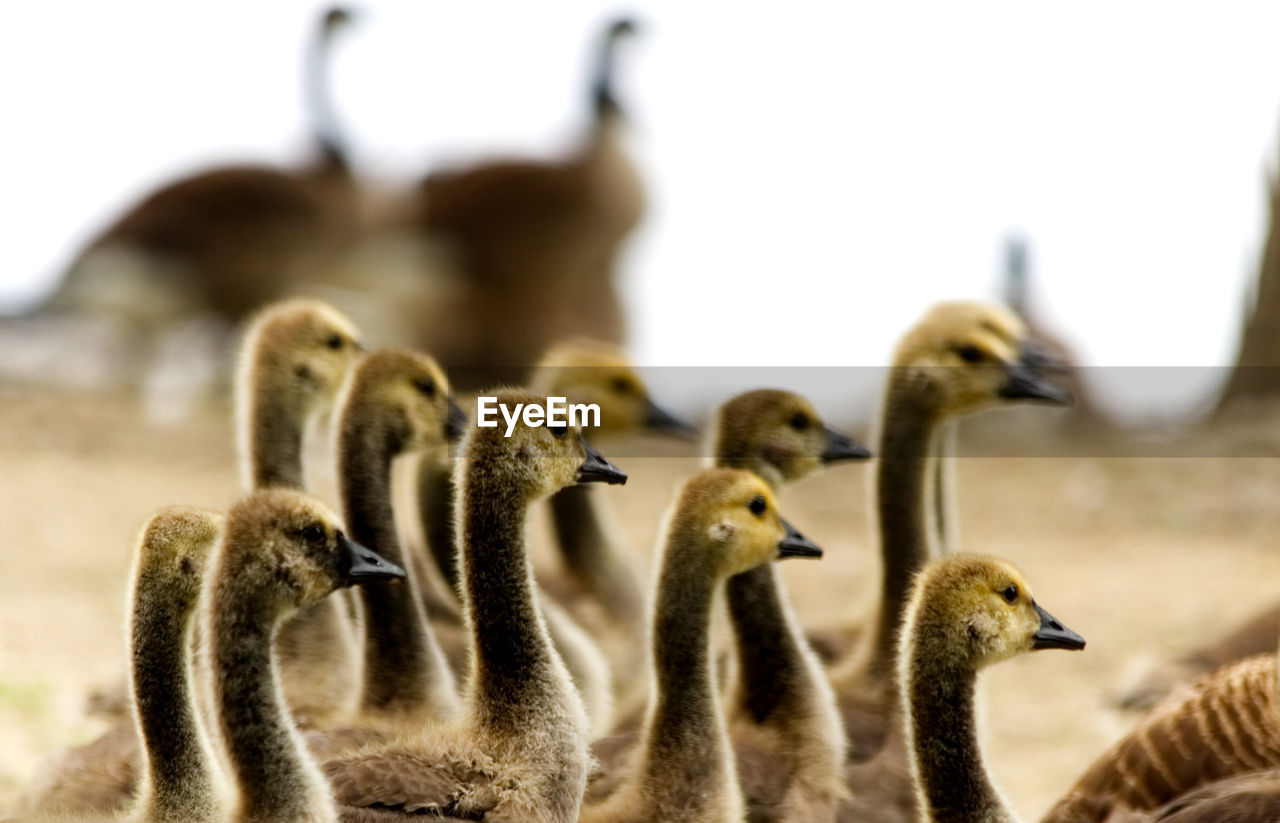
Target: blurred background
(812,179)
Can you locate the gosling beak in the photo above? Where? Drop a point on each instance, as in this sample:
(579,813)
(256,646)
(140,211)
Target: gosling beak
(456,423)
(658,419)
(1035,354)
(1054,635)
(360,565)
(595,469)
(1027,382)
(795,544)
(842,447)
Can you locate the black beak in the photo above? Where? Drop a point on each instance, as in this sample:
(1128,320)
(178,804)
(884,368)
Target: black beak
(456,423)
(1026,382)
(360,565)
(595,469)
(795,544)
(1054,635)
(659,419)
(1037,356)
(842,447)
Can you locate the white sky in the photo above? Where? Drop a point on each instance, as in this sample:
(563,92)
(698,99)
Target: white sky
(819,174)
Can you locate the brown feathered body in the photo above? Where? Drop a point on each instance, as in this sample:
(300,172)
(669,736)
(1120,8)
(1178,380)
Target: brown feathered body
(537,244)
(1226,726)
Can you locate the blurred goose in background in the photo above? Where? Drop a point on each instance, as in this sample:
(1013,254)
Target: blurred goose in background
(223,242)
(537,242)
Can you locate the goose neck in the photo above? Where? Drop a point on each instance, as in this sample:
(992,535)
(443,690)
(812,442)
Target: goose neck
(274,777)
(275,440)
(907,446)
(404,669)
(589,553)
(942,739)
(514,669)
(180,765)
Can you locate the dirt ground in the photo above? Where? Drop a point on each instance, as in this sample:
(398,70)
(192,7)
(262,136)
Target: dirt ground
(1139,554)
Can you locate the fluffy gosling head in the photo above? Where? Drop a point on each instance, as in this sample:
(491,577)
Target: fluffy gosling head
(292,547)
(591,371)
(406,394)
(298,351)
(734,512)
(981,611)
(173,548)
(778,435)
(540,460)
(974,355)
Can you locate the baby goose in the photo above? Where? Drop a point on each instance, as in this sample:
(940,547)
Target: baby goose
(959,359)
(280,551)
(180,778)
(518,749)
(966,612)
(724,522)
(599,589)
(394,402)
(584,371)
(293,361)
(1228,724)
(782,712)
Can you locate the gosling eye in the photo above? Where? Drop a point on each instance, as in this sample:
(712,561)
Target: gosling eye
(800,421)
(313,533)
(426,386)
(621,385)
(1010,593)
(757,505)
(559,431)
(335,341)
(971,354)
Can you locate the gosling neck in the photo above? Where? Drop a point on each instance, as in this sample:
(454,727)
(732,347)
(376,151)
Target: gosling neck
(777,677)
(405,671)
(910,420)
(516,676)
(275,778)
(952,783)
(591,555)
(181,781)
(436,493)
(272,439)
(686,747)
